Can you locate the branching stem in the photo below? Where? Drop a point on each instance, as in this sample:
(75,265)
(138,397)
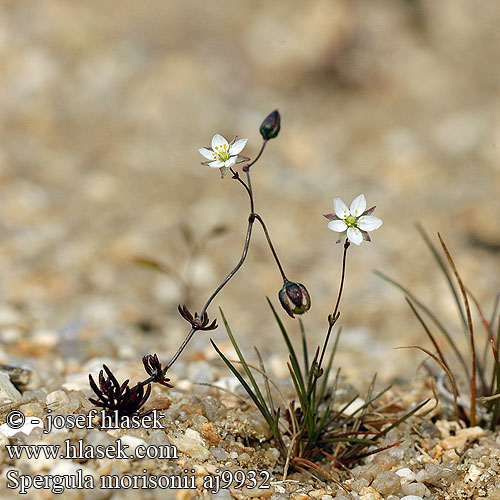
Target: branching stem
(251,219)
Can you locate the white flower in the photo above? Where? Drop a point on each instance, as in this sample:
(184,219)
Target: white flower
(222,154)
(355,222)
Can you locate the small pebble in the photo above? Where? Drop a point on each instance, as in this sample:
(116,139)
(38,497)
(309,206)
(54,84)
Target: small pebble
(359,483)
(158,438)
(406,474)
(354,406)
(7,390)
(219,454)
(189,446)
(222,495)
(370,493)
(272,454)
(209,432)
(191,433)
(418,489)
(257,492)
(244,458)
(473,474)
(436,475)
(387,483)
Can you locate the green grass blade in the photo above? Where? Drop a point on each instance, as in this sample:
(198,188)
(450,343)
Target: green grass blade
(320,425)
(326,375)
(406,416)
(304,347)
(334,388)
(291,350)
(339,413)
(300,394)
(243,382)
(244,364)
(266,385)
(364,406)
(368,442)
(369,394)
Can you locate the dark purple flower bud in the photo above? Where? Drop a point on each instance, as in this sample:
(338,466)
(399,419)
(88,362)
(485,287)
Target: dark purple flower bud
(115,397)
(294,298)
(270,127)
(154,369)
(197,322)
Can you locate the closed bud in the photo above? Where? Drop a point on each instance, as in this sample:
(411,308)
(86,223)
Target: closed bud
(294,298)
(270,127)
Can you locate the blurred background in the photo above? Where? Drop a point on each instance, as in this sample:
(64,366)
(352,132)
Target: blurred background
(103,107)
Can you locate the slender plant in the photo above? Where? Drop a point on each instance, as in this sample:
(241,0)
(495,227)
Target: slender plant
(313,423)
(223,156)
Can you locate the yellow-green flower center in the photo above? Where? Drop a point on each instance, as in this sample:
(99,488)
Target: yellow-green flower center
(351,221)
(221,153)
(224,155)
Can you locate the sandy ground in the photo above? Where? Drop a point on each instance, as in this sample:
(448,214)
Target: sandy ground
(104,106)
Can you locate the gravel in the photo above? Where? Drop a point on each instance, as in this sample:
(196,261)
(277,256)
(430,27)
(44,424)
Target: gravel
(210,435)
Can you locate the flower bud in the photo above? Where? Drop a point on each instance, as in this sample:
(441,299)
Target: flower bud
(294,298)
(270,127)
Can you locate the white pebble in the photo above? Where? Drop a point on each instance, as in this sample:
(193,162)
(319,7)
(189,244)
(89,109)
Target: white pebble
(191,433)
(473,475)
(406,474)
(7,390)
(354,406)
(420,477)
(189,446)
(412,497)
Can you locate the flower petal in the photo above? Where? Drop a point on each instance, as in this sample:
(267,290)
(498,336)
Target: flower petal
(209,155)
(218,143)
(341,209)
(337,225)
(354,235)
(369,223)
(358,206)
(238,146)
(216,164)
(229,163)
